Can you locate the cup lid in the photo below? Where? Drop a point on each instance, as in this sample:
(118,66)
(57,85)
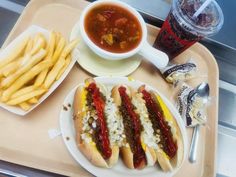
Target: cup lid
(207,23)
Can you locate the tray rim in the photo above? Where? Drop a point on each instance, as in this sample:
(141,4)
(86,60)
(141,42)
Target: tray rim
(43,3)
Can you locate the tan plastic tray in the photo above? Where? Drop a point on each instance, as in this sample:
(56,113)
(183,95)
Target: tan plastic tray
(25,140)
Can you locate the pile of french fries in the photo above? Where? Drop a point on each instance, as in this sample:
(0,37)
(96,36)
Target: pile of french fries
(30,70)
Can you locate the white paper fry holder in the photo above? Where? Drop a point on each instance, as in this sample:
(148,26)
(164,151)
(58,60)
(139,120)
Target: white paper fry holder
(30,32)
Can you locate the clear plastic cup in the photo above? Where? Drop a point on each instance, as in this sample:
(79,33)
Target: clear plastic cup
(181,30)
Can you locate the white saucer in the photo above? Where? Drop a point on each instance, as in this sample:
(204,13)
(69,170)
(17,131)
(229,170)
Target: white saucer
(99,66)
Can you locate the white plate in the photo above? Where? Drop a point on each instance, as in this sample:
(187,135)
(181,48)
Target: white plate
(99,66)
(119,170)
(31,31)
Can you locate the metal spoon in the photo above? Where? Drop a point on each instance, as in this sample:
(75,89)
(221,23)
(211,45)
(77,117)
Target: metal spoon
(203,91)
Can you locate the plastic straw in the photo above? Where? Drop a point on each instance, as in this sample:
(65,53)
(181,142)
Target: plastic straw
(203,6)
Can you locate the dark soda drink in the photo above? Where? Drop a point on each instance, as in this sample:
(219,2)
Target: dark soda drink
(181,29)
(173,39)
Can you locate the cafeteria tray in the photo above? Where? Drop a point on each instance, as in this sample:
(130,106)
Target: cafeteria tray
(25,140)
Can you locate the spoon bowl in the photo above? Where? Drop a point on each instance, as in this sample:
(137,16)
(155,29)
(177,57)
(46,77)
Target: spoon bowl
(203,91)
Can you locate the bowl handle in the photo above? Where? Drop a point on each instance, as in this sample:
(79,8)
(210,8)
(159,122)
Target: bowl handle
(155,56)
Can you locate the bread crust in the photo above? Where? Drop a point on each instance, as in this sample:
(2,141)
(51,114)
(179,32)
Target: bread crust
(126,153)
(89,148)
(78,107)
(164,161)
(149,151)
(150,156)
(127,156)
(176,161)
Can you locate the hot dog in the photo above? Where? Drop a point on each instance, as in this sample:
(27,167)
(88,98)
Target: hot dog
(93,135)
(135,121)
(135,152)
(170,147)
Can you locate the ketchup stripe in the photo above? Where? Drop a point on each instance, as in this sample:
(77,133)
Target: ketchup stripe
(170,147)
(101,128)
(136,147)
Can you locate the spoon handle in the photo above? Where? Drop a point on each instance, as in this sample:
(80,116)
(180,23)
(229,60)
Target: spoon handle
(194,144)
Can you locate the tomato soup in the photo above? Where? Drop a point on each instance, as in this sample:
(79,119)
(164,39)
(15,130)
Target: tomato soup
(113,28)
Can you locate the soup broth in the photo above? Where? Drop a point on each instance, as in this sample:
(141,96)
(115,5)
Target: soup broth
(113,28)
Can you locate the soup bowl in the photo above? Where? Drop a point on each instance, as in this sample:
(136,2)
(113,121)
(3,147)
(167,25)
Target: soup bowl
(155,56)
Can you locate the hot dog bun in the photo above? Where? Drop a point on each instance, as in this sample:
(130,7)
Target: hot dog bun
(147,138)
(131,127)
(167,163)
(88,146)
(126,152)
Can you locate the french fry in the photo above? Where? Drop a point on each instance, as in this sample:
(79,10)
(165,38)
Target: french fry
(51,44)
(50,49)
(32,67)
(67,62)
(36,47)
(35,59)
(59,36)
(51,77)
(8,80)
(39,43)
(40,78)
(58,50)
(11,67)
(23,91)
(29,46)
(22,80)
(17,51)
(25,106)
(44,40)
(24,60)
(33,100)
(25,97)
(69,48)
(36,38)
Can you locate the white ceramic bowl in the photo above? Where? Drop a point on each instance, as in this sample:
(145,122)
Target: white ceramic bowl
(158,58)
